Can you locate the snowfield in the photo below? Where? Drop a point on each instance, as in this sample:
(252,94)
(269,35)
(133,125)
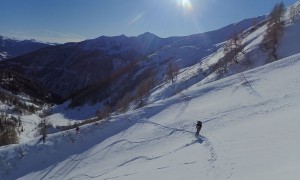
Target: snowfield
(250,131)
(251,125)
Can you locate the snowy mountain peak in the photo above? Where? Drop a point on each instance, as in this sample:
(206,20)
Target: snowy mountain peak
(148,35)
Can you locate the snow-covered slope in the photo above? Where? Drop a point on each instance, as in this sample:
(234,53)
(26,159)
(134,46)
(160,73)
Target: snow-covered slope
(250,131)
(250,127)
(206,70)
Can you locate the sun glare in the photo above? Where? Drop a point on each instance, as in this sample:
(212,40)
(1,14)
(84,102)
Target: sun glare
(186,4)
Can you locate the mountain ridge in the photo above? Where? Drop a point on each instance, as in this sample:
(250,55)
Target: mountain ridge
(10,47)
(65,69)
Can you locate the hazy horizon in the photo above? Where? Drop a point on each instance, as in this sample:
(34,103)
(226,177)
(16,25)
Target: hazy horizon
(60,21)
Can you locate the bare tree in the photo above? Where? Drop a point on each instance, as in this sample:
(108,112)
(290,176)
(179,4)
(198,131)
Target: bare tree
(8,133)
(143,90)
(172,71)
(44,124)
(19,120)
(43,129)
(105,113)
(274,32)
(232,48)
(8,136)
(123,104)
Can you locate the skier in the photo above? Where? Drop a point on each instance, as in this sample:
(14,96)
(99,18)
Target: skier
(198,126)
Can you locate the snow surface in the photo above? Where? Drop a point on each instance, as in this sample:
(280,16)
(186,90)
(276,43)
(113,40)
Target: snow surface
(250,131)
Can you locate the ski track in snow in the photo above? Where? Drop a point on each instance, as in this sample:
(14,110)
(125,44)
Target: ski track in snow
(146,158)
(214,168)
(173,118)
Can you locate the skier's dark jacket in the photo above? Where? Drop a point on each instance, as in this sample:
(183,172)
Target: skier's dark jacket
(199,124)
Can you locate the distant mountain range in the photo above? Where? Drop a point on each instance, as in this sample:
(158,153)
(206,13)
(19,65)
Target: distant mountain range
(10,48)
(69,69)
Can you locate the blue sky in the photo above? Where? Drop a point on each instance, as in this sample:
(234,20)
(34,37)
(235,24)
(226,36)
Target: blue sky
(76,20)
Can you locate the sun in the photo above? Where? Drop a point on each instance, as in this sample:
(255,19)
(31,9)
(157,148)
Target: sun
(185,4)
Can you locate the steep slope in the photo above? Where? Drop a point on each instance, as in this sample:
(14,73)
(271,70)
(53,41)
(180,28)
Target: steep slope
(214,67)
(242,130)
(10,48)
